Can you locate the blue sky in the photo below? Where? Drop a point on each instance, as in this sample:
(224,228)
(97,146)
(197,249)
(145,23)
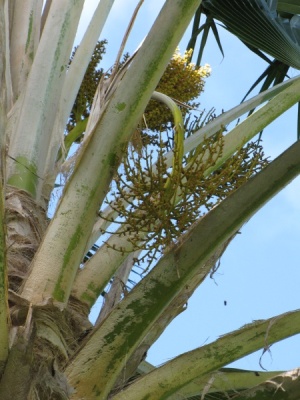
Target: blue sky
(259,273)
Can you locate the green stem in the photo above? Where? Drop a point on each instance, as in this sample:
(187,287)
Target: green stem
(173,180)
(166,380)
(72,136)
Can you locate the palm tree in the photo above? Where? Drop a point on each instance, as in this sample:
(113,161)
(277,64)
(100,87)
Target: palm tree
(53,271)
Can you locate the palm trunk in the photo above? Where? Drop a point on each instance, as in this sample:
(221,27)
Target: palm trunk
(26,225)
(43,338)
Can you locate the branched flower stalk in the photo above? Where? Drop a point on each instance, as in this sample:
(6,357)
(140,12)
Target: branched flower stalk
(156,205)
(153,220)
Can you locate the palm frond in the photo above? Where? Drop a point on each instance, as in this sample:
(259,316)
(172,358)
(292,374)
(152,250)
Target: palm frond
(205,28)
(259,24)
(264,26)
(287,6)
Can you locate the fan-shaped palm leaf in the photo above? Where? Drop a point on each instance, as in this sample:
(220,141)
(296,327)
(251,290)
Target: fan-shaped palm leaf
(260,24)
(264,26)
